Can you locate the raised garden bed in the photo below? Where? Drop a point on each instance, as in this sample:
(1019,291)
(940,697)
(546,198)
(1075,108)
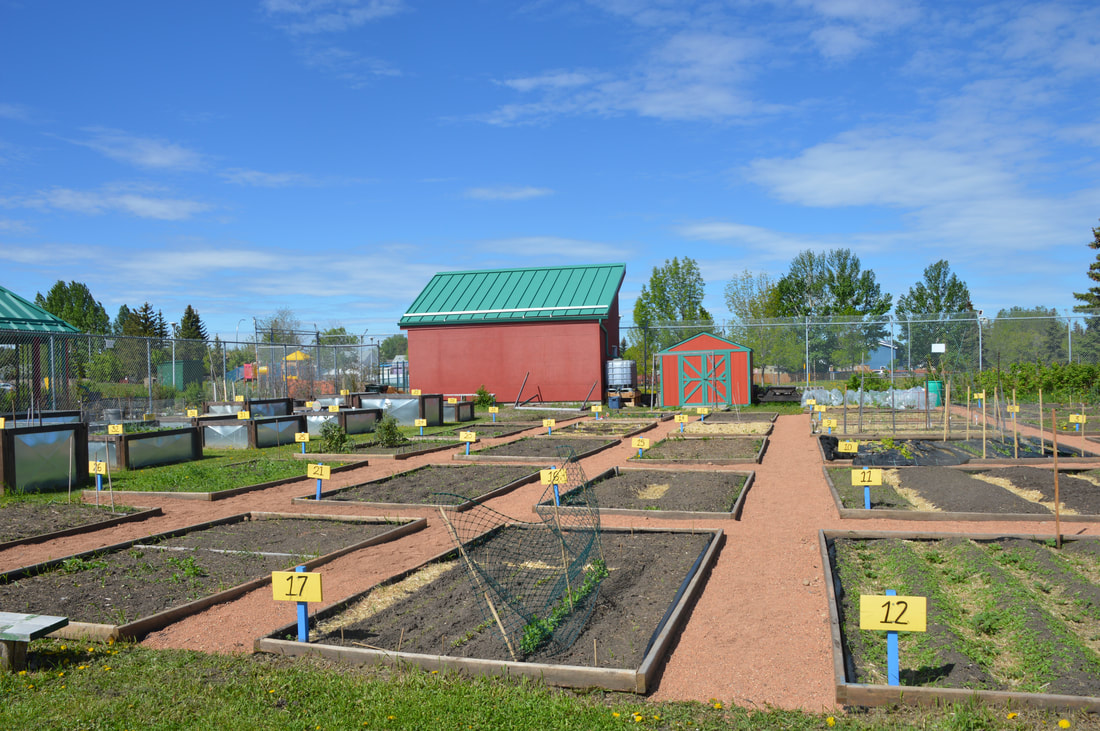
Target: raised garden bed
(34,522)
(1011,619)
(484,430)
(668,494)
(704,450)
(607,427)
(146,448)
(216,478)
(539,449)
(713,427)
(133,588)
(741,417)
(946,493)
(43,458)
(423,487)
(430,617)
(412,449)
(903,452)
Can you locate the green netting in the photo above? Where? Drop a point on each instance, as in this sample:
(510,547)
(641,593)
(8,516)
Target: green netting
(537,582)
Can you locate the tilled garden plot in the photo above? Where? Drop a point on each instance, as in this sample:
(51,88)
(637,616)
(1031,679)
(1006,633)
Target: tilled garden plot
(890,452)
(131,587)
(432,617)
(674,494)
(540,448)
(608,427)
(412,448)
(943,493)
(434,485)
(1005,614)
(26,522)
(704,450)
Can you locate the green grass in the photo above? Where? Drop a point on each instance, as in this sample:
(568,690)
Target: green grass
(79,685)
(218,470)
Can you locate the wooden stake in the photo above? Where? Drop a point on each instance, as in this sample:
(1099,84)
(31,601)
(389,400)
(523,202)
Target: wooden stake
(946,409)
(968,413)
(1015,438)
(1042,434)
(595,657)
(1057,506)
(477,581)
(984,401)
(845,409)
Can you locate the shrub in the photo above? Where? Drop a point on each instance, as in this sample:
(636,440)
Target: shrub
(484,398)
(388,434)
(334,440)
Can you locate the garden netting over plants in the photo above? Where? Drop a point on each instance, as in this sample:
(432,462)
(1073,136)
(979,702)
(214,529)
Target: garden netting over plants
(895,398)
(537,583)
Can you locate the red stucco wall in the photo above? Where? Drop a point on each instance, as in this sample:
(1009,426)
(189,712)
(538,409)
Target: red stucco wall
(564,359)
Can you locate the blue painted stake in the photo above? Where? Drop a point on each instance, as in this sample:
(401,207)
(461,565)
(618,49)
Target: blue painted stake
(557,496)
(318,498)
(303,447)
(681,427)
(867,495)
(830,430)
(467,449)
(1076,427)
(421,431)
(639,452)
(549,431)
(494,418)
(98,482)
(303,611)
(892,663)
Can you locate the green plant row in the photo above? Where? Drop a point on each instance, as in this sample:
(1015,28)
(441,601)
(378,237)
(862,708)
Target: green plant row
(538,631)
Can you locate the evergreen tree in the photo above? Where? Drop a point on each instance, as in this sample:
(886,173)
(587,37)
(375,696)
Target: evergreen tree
(1091,297)
(191,326)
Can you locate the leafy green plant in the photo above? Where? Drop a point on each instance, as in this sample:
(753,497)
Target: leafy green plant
(388,433)
(76,564)
(484,398)
(334,440)
(537,631)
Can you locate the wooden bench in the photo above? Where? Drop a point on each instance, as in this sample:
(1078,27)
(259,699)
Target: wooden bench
(16,632)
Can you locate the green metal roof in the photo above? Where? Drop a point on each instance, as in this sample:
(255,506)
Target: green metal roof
(517,295)
(17,313)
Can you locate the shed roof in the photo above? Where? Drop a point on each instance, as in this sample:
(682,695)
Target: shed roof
(585,292)
(703,342)
(17,313)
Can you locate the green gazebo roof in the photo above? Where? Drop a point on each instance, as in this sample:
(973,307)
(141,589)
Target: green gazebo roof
(18,314)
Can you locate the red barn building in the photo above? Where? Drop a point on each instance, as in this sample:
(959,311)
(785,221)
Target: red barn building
(553,327)
(706,370)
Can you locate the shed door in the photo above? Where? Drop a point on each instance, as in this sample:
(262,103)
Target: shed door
(705,378)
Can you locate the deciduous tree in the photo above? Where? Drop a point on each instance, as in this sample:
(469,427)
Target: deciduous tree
(74,303)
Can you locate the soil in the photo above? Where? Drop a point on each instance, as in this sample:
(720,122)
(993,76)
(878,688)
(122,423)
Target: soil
(925,452)
(414,445)
(747,417)
(25,520)
(603,427)
(486,430)
(955,491)
(543,447)
(125,585)
(645,572)
(1012,594)
(423,485)
(534,417)
(697,490)
(1081,496)
(703,449)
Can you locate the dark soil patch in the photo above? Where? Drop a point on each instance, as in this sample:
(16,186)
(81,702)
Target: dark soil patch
(414,445)
(444,617)
(121,586)
(704,449)
(603,427)
(24,520)
(544,447)
(929,453)
(724,417)
(484,430)
(534,417)
(424,485)
(852,496)
(713,492)
(1074,493)
(955,491)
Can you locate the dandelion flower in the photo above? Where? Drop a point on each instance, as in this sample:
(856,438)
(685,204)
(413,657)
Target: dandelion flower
(106,667)
(271,691)
(1064,723)
(22,672)
(615,714)
(830,722)
(718,705)
(1012,715)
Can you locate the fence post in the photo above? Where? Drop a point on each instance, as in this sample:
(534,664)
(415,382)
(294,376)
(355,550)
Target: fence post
(149,373)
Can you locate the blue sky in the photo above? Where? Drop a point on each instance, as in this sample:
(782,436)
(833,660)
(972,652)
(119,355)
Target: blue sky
(329,156)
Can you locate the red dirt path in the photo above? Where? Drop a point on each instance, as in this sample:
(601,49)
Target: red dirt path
(758,635)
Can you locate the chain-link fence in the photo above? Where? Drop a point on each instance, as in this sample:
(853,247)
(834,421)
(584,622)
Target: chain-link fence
(136,375)
(1019,347)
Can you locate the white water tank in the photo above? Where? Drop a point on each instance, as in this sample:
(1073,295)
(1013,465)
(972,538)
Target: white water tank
(621,374)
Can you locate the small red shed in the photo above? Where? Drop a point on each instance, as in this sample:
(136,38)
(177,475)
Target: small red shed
(706,370)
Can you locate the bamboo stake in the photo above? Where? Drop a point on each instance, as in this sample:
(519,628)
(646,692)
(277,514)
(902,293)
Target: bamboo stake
(1042,434)
(1057,506)
(968,413)
(1015,438)
(946,409)
(477,581)
(845,409)
(998,417)
(984,401)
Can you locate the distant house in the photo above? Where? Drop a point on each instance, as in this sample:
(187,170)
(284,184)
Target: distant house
(542,333)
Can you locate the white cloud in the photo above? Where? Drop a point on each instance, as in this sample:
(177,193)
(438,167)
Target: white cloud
(259,179)
(12,226)
(143,152)
(838,41)
(329,16)
(549,80)
(15,112)
(350,67)
(118,200)
(507,193)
